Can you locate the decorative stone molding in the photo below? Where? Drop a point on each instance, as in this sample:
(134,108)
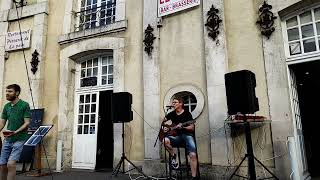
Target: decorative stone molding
(189,88)
(67,87)
(91,33)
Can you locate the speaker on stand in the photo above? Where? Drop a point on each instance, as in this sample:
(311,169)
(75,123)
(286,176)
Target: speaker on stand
(121,113)
(240,90)
(241,99)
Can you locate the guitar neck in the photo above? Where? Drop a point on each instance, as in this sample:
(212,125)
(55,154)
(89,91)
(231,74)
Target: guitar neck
(184,124)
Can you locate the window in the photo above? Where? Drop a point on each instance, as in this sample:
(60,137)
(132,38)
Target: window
(95,13)
(189,100)
(192,97)
(303,32)
(97,71)
(87,114)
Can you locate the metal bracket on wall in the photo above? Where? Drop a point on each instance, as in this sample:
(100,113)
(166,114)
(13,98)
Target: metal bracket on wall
(148,40)
(266,20)
(20,3)
(213,22)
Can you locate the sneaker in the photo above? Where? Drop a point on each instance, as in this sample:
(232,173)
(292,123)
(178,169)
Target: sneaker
(174,162)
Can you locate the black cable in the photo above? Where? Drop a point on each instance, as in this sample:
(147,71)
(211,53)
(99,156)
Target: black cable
(29,82)
(144,120)
(24,55)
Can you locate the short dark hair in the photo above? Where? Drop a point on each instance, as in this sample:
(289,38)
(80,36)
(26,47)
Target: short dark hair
(180,99)
(15,87)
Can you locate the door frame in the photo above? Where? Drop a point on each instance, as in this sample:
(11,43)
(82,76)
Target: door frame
(86,90)
(298,148)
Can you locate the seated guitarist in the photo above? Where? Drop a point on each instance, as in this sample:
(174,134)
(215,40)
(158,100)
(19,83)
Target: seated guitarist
(184,135)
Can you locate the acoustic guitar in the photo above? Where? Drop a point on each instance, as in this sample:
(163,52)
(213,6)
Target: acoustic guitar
(169,129)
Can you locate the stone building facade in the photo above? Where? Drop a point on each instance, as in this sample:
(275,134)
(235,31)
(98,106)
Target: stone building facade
(89,49)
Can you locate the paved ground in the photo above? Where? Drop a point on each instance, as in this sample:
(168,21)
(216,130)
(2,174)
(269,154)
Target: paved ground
(77,175)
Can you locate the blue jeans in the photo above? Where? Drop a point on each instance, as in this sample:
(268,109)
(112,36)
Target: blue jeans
(10,151)
(183,140)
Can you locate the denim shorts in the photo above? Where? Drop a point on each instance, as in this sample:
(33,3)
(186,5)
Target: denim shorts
(183,140)
(10,151)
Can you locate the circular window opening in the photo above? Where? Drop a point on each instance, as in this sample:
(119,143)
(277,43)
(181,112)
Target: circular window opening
(192,96)
(189,100)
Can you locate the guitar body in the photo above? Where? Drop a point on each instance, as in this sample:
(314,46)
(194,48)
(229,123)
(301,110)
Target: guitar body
(169,129)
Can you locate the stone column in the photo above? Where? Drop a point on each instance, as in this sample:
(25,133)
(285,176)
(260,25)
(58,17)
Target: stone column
(278,94)
(4,6)
(151,79)
(3,32)
(39,36)
(118,86)
(216,67)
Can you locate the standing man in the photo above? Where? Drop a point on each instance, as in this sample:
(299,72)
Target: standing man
(17,113)
(184,135)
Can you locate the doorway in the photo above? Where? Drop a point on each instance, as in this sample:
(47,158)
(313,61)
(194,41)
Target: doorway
(105,148)
(308,87)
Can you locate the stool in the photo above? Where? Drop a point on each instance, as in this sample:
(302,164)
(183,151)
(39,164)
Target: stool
(185,167)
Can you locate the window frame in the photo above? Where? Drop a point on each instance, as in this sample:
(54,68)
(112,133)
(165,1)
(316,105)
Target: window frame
(302,56)
(186,96)
(99,85)
(78,27)
(89,114)
(181,89)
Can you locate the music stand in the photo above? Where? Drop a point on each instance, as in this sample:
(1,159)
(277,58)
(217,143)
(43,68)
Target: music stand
(35,140)
(36,116)
(123,158)
(250,156)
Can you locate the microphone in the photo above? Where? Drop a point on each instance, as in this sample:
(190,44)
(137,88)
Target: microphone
(169,106)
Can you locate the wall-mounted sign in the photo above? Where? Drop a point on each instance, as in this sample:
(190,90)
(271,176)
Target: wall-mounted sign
(166,7)
(13,40)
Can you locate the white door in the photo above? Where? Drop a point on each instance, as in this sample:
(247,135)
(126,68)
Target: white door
(298,134)
(85,131)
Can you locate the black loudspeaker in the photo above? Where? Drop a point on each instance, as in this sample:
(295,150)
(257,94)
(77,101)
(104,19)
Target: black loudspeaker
(121,107)
(240,90)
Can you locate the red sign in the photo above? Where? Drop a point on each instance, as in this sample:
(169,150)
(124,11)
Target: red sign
(166,7)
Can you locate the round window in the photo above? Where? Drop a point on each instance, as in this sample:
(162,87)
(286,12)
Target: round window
(192,98)
(189,100)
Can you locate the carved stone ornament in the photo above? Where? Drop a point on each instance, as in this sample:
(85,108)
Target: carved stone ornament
(34,62)
(213,22)
(148,40)
(266,20)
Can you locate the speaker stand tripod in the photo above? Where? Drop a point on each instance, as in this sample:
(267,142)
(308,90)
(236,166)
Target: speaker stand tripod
(122,160)
(250,156)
